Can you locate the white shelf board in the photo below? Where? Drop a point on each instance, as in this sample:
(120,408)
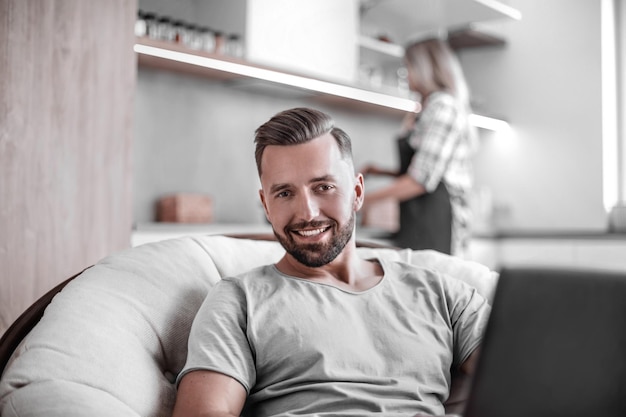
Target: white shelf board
(386,48)
(174,57)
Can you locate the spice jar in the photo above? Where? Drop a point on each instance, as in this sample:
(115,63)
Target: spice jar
(220,42)
(234,46)
(206,39)
(194,37)
(165,29)
(178,31)
(151,25)
(140,24)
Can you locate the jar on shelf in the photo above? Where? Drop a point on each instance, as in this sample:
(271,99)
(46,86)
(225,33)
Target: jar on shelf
(140,24)
(194,36)
(207,39)
(220,42)
(178,31)
(402,76)
(165,29)
(151,25)
(370,76)
(234,46)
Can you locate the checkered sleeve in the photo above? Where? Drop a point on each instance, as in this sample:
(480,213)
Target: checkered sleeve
(435,137)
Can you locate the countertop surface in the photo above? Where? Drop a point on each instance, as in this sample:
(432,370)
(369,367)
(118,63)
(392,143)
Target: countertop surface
(553,234)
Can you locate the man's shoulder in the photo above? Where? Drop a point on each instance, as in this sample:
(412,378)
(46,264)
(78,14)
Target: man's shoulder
(250,276)
(406,270)
(260,276)
(417,274)
(260,270)
(404,265)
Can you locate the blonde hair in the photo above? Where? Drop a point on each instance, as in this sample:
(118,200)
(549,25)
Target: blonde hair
(438,67)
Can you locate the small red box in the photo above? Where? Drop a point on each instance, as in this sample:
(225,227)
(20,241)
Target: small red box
(185,208)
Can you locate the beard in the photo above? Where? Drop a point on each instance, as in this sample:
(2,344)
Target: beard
(315,255)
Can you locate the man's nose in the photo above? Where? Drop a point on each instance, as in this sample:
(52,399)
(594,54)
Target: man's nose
(308,207)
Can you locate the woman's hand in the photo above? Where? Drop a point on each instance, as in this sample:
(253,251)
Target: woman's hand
(408,123)
(371,169)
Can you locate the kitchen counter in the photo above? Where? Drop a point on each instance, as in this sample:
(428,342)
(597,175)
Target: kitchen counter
(562,249)
(557,234)
(573,249)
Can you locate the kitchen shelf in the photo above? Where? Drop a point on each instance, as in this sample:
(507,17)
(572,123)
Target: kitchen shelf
(174,57)
(473,37)
(382,47)
(170,56)
(468,37)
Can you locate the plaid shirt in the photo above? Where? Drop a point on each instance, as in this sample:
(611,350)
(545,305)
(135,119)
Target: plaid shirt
(444,142)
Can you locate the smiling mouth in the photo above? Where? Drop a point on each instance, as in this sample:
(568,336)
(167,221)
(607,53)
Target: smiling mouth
(311,232)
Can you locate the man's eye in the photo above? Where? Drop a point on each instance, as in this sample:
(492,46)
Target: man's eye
(282,194)
(325,187)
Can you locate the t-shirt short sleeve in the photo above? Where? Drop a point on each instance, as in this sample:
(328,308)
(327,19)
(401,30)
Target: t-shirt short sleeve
(218,341)
(469,313)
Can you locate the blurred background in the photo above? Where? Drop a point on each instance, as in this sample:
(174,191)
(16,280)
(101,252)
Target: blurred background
(100,120)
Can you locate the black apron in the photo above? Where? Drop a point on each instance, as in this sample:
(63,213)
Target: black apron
(426,220)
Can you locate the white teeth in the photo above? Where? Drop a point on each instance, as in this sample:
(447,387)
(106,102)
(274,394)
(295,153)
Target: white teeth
(310,232)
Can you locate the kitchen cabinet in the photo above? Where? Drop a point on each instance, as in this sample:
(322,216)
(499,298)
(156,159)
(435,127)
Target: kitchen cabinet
(385,26)
(312,38)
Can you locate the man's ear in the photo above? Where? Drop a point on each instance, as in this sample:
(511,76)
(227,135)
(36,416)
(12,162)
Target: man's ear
(359,191)
(262,197)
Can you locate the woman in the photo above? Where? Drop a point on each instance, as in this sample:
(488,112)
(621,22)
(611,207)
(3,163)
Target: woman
(435,146)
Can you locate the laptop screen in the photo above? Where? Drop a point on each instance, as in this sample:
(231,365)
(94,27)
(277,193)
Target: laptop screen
(555,345)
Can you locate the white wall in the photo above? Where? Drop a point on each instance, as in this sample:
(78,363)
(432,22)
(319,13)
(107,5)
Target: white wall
(547,82)
(196,135)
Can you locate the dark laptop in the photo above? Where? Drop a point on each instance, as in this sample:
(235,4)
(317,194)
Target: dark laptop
(555,345)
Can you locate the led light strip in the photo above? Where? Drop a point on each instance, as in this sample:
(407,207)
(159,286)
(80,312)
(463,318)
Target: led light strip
(489,123)
(312,84)
(282,78)
(502,8)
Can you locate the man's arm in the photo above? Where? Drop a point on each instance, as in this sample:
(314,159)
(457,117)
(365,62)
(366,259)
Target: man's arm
(209,394)
(402,188)
(469,366)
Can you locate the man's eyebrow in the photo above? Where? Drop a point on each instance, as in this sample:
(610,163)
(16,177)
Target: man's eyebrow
(278,187)
(323,178)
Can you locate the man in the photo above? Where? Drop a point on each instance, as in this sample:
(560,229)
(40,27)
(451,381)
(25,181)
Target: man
(324,332)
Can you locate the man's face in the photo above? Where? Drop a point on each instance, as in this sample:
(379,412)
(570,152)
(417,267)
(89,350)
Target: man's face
(310,196)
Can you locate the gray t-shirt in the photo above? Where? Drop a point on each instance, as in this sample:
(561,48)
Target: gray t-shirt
(306,348)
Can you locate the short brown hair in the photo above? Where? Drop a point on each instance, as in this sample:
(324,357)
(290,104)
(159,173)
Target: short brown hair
(296,126)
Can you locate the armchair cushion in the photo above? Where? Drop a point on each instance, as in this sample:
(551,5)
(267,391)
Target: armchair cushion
(114,339)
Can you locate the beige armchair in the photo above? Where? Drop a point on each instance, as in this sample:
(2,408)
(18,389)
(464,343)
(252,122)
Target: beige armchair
(113,338)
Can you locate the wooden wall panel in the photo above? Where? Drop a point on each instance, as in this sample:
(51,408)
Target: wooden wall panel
(67,79)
